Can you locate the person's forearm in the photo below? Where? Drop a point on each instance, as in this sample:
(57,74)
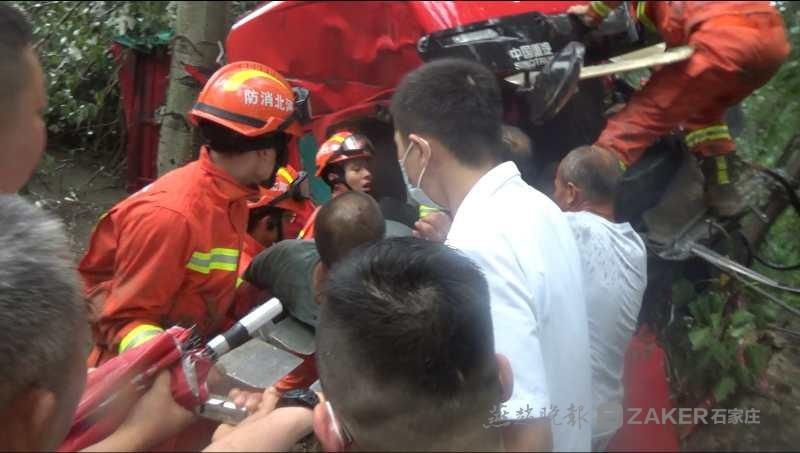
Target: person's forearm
(277,431)
(121,440)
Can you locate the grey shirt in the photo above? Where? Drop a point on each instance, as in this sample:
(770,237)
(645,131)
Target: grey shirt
(286,270)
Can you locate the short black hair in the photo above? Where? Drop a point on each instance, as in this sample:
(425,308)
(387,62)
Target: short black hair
(456,101)
(346,222)
(594,170)
(16,36)
(41,305)
(224,140)
(255,216)
(405,346)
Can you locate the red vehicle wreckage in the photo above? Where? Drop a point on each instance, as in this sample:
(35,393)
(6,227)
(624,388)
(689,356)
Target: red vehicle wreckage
(350,56)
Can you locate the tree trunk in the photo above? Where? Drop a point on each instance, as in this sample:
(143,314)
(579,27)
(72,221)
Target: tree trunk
(198,28)
(755,230)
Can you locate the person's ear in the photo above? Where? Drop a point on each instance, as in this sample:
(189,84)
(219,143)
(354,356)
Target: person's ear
(264,153)
(326,428)
(506,376)
(572,194)
(424,147)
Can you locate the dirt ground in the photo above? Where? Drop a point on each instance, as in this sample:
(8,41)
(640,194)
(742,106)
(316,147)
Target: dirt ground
(79,191)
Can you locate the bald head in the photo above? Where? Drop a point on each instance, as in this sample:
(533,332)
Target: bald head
(588,175)
(346,222)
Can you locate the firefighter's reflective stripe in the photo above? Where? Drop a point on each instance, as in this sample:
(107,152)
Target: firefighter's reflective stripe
(221,259)
(641,16)
(283,173)
(139,335)
(425,210)
(600,8)
(239,281)
(707,134)
(722,170)
(339,137)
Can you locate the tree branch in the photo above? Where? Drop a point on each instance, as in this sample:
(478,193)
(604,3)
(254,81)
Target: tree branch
(57,26)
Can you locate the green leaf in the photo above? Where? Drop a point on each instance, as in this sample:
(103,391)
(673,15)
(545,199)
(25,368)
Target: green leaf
(721,355)
(716,322)
(724,388)
(741,317)
(739,332)
(699,337)
(757,356)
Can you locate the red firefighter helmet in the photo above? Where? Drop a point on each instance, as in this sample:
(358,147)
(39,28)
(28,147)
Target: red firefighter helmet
(250,99)
(341,147)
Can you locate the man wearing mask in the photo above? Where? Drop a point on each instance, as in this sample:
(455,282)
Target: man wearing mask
(169,254)
(448,120)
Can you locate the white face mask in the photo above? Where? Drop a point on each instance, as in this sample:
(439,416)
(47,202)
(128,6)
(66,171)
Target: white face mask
(415,192)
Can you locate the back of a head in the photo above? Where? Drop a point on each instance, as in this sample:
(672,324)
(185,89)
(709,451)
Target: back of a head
(458,102)
(15,38)
(405,347)
(346,222)
(594,170)
(40,301)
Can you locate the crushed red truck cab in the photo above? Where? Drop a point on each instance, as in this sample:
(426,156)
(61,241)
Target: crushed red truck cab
(352,55)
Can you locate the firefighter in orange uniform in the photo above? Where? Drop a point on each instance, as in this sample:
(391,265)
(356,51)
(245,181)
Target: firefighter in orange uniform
(738,47)
(343,162)
(168,254)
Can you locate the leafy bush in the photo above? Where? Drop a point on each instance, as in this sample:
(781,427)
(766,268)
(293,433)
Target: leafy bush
(714,344)
(74,39)
(84,113)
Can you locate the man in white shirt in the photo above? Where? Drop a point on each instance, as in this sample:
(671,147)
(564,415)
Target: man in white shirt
(447,117)
(614,262)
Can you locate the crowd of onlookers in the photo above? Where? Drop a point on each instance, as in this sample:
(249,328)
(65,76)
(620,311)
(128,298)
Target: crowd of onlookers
(499,323)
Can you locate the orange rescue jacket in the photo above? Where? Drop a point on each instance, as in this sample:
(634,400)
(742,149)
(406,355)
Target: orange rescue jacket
(675,20)
(167,255)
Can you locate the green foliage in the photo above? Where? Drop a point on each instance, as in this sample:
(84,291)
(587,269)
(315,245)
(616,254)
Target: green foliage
(772,119)
(714,342)
(84,112)
(773,112)
(714,345)
(74,39)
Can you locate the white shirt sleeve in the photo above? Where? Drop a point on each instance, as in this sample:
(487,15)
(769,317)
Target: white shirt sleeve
(516,328)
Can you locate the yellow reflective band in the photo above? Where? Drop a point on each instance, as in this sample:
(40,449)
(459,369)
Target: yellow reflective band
(221,259)
(338,138)
(239,281)
(139,335)
(641,15)
(622,165)
(600,8)
(722,170)
(716,132)
(236,80)
(283,173)
(425,210)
